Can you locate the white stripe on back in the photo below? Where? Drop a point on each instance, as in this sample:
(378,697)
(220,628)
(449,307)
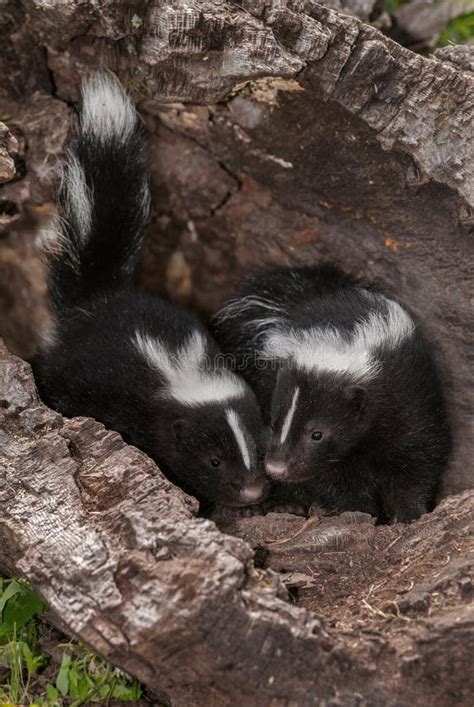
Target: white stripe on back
(328,349)
(289,418)
(188,380)
(234,424)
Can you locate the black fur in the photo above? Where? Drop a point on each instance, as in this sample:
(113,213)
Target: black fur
(116,175)
(92,366)
(385,441)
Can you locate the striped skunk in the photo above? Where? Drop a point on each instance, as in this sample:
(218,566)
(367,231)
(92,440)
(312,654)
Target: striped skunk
(140,365)
(349,385)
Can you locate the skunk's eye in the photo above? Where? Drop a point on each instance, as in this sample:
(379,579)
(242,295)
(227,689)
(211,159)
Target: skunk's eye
(316,436)
(215,462)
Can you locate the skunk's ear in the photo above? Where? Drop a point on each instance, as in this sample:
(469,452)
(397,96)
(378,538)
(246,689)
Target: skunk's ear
(181,430)
(358,398)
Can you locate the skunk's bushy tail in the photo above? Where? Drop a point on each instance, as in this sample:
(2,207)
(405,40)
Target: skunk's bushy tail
(103,201)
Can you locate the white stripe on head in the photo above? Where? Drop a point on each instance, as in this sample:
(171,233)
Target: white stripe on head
(289,417)
(327,349)
(235,425)
(106,110)
(188,380)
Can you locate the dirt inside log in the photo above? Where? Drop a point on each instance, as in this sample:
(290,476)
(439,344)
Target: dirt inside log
(279,133)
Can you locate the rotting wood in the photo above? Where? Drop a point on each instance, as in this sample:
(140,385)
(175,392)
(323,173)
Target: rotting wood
(123,562)
(329,142)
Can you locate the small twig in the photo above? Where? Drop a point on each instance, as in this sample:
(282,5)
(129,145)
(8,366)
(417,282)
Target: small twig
(373,587)
(393,542)
(308,523)
(385,615)
(409,588)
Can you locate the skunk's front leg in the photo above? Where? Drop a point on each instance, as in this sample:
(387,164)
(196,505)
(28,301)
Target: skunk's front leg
(406,499)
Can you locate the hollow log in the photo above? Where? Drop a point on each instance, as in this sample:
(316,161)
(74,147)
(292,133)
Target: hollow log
(280,132)
(123,562)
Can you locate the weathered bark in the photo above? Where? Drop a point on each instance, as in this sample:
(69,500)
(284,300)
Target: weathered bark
(316,139)
(119,556)
(461,56)
(8,152)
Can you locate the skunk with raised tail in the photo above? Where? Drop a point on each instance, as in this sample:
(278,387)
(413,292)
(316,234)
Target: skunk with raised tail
(349,385)
(140,365)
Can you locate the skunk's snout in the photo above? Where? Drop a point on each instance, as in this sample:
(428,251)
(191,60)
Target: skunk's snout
(276,471)
(254,492)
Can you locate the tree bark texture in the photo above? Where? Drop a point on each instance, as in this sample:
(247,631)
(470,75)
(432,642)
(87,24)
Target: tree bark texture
(281,132)
(123,562)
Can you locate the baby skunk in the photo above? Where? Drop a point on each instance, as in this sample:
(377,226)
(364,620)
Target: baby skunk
(143,367)
(350,388)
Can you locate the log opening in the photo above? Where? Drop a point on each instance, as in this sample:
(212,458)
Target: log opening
(282,134)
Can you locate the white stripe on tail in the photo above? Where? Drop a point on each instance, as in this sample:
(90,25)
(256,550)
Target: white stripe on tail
(106,112)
